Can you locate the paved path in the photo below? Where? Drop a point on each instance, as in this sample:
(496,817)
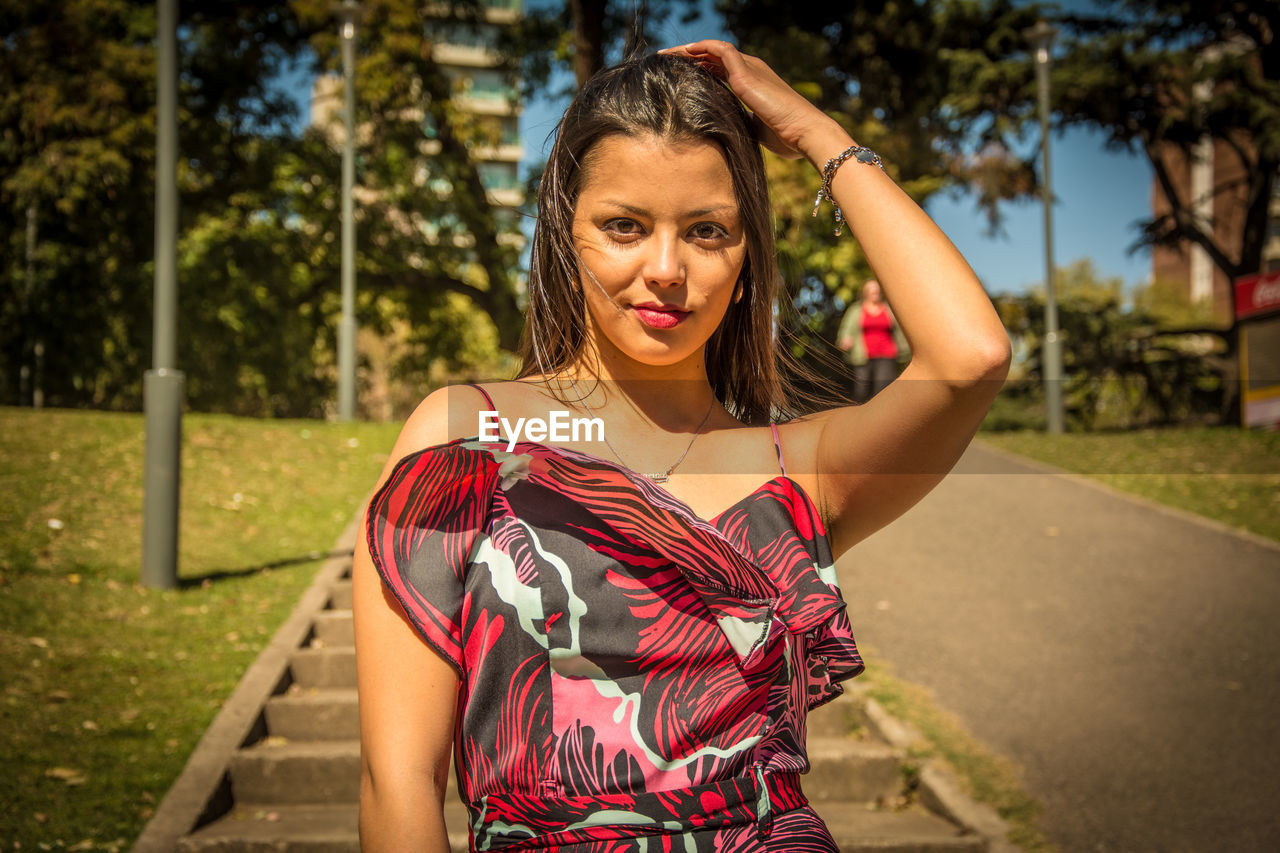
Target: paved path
(1126,658)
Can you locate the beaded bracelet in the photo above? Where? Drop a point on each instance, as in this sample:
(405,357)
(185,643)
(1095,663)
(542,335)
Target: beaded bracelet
(862,154)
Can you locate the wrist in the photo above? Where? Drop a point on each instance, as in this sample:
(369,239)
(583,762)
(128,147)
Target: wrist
(824,141)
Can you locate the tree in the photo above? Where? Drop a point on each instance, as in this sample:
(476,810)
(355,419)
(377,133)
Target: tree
(258,203)
(1158,76)
(74,114)
(77,159)
(1123,367)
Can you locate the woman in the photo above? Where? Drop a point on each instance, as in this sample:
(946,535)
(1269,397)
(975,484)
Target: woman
(623,660)
(874,343)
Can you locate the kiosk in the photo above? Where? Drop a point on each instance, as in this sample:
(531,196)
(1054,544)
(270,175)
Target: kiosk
(1258,316)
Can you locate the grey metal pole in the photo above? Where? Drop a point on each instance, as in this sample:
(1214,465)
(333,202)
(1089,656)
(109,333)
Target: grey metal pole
(1042,36)
(347,328)
(162,386)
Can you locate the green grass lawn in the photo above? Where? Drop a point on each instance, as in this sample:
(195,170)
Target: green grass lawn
(108,685)
(1227,474)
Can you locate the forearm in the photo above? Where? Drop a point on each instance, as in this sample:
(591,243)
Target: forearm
(954,332)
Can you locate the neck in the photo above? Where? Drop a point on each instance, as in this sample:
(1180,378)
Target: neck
(674,398)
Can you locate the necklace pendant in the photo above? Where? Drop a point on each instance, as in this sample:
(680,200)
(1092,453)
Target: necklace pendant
(657,478)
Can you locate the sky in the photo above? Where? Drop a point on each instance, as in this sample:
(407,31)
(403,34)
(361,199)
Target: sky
(1100,194)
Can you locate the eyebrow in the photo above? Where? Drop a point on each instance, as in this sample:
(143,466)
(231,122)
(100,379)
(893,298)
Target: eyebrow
(688,214)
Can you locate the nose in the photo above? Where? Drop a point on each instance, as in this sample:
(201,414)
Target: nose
(665,263)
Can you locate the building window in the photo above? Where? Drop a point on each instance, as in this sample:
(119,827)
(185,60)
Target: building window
(498,176)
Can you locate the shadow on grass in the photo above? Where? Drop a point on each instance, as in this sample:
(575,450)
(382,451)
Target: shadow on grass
(229,574)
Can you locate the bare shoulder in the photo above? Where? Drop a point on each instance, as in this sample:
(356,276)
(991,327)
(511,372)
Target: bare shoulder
(446,414)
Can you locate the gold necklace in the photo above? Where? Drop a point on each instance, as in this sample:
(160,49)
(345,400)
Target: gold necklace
(657,478)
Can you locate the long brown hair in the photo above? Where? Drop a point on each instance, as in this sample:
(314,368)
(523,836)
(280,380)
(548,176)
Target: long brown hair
(677,101)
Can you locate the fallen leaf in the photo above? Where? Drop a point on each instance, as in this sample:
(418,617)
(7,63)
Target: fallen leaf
(89,725)
(70,775)
(56,524)
(38,642)
(57,696)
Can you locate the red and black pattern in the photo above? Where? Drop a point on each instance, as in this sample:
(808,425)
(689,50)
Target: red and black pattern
(633,676)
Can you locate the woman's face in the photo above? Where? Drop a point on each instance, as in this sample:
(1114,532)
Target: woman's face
(871,291)
(661,241)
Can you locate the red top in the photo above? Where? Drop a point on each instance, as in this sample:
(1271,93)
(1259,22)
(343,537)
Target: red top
(877,335)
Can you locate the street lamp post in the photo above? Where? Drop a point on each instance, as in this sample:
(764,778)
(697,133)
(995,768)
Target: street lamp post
(348,16)
(163,385)
(1041,37)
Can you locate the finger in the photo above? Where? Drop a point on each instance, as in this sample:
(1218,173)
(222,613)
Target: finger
(722,51)
(713,46)
(706,61)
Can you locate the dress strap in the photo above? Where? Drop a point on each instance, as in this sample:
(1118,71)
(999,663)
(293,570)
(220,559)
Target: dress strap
(777,445)
(489,402)
(486,396)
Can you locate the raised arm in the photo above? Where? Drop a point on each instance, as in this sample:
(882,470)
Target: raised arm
(408,693)
(873,462)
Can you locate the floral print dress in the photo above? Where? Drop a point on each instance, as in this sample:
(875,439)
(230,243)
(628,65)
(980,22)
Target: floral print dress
(633,677)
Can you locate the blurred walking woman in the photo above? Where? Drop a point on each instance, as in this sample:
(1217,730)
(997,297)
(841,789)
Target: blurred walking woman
(873,343)
(617,632)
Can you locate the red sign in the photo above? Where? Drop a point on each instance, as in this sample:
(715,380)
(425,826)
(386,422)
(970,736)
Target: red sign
(1257,294)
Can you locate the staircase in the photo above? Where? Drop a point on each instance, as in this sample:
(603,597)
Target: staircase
(295,783)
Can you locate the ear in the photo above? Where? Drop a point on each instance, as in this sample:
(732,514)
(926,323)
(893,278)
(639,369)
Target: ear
(738,290)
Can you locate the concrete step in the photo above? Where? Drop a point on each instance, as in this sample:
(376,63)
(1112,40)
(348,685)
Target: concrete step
(308,828)
(340,596)
(325,667)
(334,628)
(858,829)
(837,718)
(293,773)
(314,713)
(279,829)
(842,768)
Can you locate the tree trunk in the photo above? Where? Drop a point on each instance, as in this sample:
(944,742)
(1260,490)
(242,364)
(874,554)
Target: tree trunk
(588,38)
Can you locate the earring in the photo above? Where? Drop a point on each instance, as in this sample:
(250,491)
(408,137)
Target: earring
(738,291)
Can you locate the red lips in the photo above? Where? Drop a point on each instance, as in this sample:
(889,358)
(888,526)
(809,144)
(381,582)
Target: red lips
(659,316)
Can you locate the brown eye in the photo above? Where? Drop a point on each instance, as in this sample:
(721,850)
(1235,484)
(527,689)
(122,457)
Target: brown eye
(623,227)
(709,231)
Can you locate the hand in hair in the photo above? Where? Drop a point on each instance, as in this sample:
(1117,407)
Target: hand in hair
(783,117)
